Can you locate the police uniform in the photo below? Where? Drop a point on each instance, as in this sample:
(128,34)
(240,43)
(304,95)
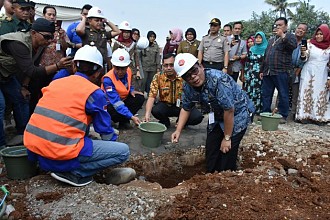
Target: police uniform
(214,49)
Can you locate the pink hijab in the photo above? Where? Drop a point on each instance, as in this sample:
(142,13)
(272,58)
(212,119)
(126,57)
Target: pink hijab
(326,37)
(177,36)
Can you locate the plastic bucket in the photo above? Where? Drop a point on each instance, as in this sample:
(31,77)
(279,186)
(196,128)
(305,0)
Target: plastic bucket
(269,122)
(17,164)
(152,133)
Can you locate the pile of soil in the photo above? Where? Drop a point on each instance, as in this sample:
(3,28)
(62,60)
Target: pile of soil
(283,174)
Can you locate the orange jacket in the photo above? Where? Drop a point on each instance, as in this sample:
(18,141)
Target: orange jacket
(120,87)
(57,127)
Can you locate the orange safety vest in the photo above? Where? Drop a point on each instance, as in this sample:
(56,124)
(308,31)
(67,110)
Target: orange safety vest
(120,87)
(57,127)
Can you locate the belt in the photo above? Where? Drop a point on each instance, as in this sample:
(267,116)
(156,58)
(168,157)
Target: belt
(208,62)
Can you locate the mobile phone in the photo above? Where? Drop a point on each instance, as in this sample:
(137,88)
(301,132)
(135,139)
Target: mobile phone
(304,43)
(58,24)
(236,37)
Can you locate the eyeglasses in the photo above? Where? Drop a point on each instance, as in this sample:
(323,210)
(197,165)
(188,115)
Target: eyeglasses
(166,65)
(47,37)
(188,76)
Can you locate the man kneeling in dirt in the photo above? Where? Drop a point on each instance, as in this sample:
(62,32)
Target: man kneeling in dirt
(56,134)
(230,115)
(169,86)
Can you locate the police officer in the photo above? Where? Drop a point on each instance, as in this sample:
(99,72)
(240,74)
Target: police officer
(213,49)
(231,110)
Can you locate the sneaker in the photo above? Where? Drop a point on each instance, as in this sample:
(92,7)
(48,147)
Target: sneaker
(120,176)
(72,179)
(17,140)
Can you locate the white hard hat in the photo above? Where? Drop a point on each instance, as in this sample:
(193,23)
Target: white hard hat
(120,57)
(125,26)
(142,43)
(90,54)
(95,12)
(183,62)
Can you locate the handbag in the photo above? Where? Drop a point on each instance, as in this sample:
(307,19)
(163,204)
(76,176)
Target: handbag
(230,64)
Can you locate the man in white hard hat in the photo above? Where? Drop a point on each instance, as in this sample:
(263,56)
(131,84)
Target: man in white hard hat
(117,84)
(169,87)
(230,115)
(95,34)
(57,133)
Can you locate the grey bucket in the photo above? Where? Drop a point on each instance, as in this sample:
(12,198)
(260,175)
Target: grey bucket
(152,133)
(17,164)
(270,121)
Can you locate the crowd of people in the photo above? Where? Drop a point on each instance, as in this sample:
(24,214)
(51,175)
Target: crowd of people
(44,68)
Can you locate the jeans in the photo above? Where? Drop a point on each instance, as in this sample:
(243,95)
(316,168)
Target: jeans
(162,111)
(215,159)
(280,82)
(11,89)
(105,154)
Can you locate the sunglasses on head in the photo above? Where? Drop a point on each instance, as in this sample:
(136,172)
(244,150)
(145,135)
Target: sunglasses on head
(46,36)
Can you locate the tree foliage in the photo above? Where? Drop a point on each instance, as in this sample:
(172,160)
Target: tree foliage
(306,13)
(282,7)
(263,22)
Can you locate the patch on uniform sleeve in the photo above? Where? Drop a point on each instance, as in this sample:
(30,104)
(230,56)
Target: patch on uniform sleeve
(108,89)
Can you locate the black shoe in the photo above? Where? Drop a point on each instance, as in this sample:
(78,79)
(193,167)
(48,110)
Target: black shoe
(124,125)
(72,179)
(302,121)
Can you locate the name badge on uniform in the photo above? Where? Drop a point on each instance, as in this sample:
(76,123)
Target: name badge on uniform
(58,47)
(178,103)
(211,117)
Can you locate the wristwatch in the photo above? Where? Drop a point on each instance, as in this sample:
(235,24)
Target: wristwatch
(226,67)
(227,137)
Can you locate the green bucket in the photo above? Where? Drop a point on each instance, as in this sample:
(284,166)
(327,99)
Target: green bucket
(17,164)
(152,133)
(270,121)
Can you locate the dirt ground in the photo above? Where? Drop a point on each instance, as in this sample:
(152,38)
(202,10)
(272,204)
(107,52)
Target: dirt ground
(283,174)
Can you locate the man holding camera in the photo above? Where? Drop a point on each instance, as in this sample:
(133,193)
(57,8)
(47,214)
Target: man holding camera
(238,51)
(276,68)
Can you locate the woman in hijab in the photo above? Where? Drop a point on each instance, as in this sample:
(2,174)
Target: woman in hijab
(252,69)
(173,44)
(313,101)
(249,44)
(190,45)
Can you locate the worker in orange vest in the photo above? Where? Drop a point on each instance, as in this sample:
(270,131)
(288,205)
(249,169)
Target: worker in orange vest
(117,84)
(57,133)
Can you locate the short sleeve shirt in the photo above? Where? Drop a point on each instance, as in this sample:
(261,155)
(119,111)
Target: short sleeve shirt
(214,48)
